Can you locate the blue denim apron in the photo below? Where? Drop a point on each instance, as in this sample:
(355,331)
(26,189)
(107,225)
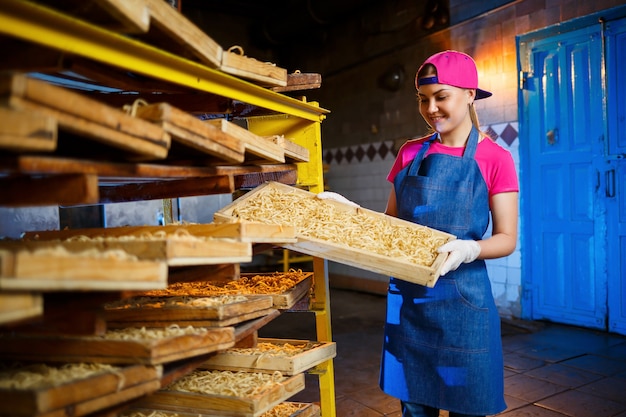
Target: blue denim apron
(442,345)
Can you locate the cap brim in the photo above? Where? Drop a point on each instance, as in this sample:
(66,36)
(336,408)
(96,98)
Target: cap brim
(482,94)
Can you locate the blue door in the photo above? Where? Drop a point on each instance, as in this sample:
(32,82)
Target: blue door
(615,173)
(572,113)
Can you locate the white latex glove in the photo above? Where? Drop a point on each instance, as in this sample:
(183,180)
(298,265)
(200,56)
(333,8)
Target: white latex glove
(459,251)
(328,195)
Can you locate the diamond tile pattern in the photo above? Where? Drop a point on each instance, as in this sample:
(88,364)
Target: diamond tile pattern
(369,152)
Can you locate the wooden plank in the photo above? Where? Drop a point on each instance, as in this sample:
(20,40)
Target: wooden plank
(302,410)
(16,306)
(83,395)
(173,250)
(179,35)
(131,172)
(64,190)
(137,310)
(60,348)
(25,270)
(263,73)
(222,405)
(243,232)
(299,81)
(254,144)
(344,253)
(196,322)
(27,131)
(84,116)
(191,132)
(310,355)
(158,190)
(289,298)
(132,17)
(293,151)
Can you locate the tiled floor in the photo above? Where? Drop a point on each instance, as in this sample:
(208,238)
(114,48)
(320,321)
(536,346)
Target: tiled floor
(550,370)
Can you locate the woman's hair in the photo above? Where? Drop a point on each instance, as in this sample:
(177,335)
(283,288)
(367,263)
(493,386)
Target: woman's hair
(429,70)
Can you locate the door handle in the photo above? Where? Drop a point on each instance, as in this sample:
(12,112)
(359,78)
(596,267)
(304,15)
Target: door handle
(610,183)
(552,136)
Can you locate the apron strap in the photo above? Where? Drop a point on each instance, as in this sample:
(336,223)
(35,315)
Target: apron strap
(415,164)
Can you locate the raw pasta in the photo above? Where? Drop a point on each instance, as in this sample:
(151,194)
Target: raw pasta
(319,219)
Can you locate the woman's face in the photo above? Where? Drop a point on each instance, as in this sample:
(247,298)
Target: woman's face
(445,107)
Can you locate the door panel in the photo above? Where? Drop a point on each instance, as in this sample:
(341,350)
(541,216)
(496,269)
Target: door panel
(615,174)
(560,183)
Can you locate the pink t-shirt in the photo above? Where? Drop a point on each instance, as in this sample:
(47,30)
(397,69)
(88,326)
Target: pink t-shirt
(494,162)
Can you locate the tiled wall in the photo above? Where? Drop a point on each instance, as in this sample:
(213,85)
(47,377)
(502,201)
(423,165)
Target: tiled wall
(359,173)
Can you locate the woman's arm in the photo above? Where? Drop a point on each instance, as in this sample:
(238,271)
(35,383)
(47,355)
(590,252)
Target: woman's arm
(391,203)
(504,232)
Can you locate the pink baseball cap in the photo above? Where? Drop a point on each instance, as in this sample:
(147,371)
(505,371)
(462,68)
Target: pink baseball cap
(453,68)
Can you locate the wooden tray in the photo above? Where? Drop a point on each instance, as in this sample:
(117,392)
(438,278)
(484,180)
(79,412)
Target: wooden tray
(343,253)
(221,405)
(293,151)
(82,396)
(170,250)
(97,349)
(262,73)
(190,132)
(304,410)
(288,299)
(23,130)
(244,232)
(254,144)
(16,306)
(85,117)
(26,270)
(219,316)
(235,360)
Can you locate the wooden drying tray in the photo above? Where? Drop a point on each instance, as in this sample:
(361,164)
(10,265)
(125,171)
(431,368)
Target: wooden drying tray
(168,249)
(89,119)
(342,253)
(190,132)
(82,396)
(124,182)
(244,232)
(222,405)
(299,81)
(237,360)
(22,269)
(152,21)
(214,316)
(293,151)
(66,348)
(289,298)
(304,410)
(16,306)
(25,130)
(254,144)
(234,62)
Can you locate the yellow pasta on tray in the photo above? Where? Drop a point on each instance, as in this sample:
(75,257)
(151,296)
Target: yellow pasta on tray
(339,232)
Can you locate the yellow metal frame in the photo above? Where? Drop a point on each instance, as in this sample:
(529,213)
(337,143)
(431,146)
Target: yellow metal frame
(38,24)
(298,121)
(310,176)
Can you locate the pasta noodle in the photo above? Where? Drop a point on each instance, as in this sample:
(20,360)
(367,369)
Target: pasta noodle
(38,376)
(234,384)
(275,283)
(135,333)
(319,219)
(175,302)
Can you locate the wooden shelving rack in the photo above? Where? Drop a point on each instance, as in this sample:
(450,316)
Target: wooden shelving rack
(81,44)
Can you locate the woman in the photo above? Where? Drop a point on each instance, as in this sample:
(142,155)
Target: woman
(442,345)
